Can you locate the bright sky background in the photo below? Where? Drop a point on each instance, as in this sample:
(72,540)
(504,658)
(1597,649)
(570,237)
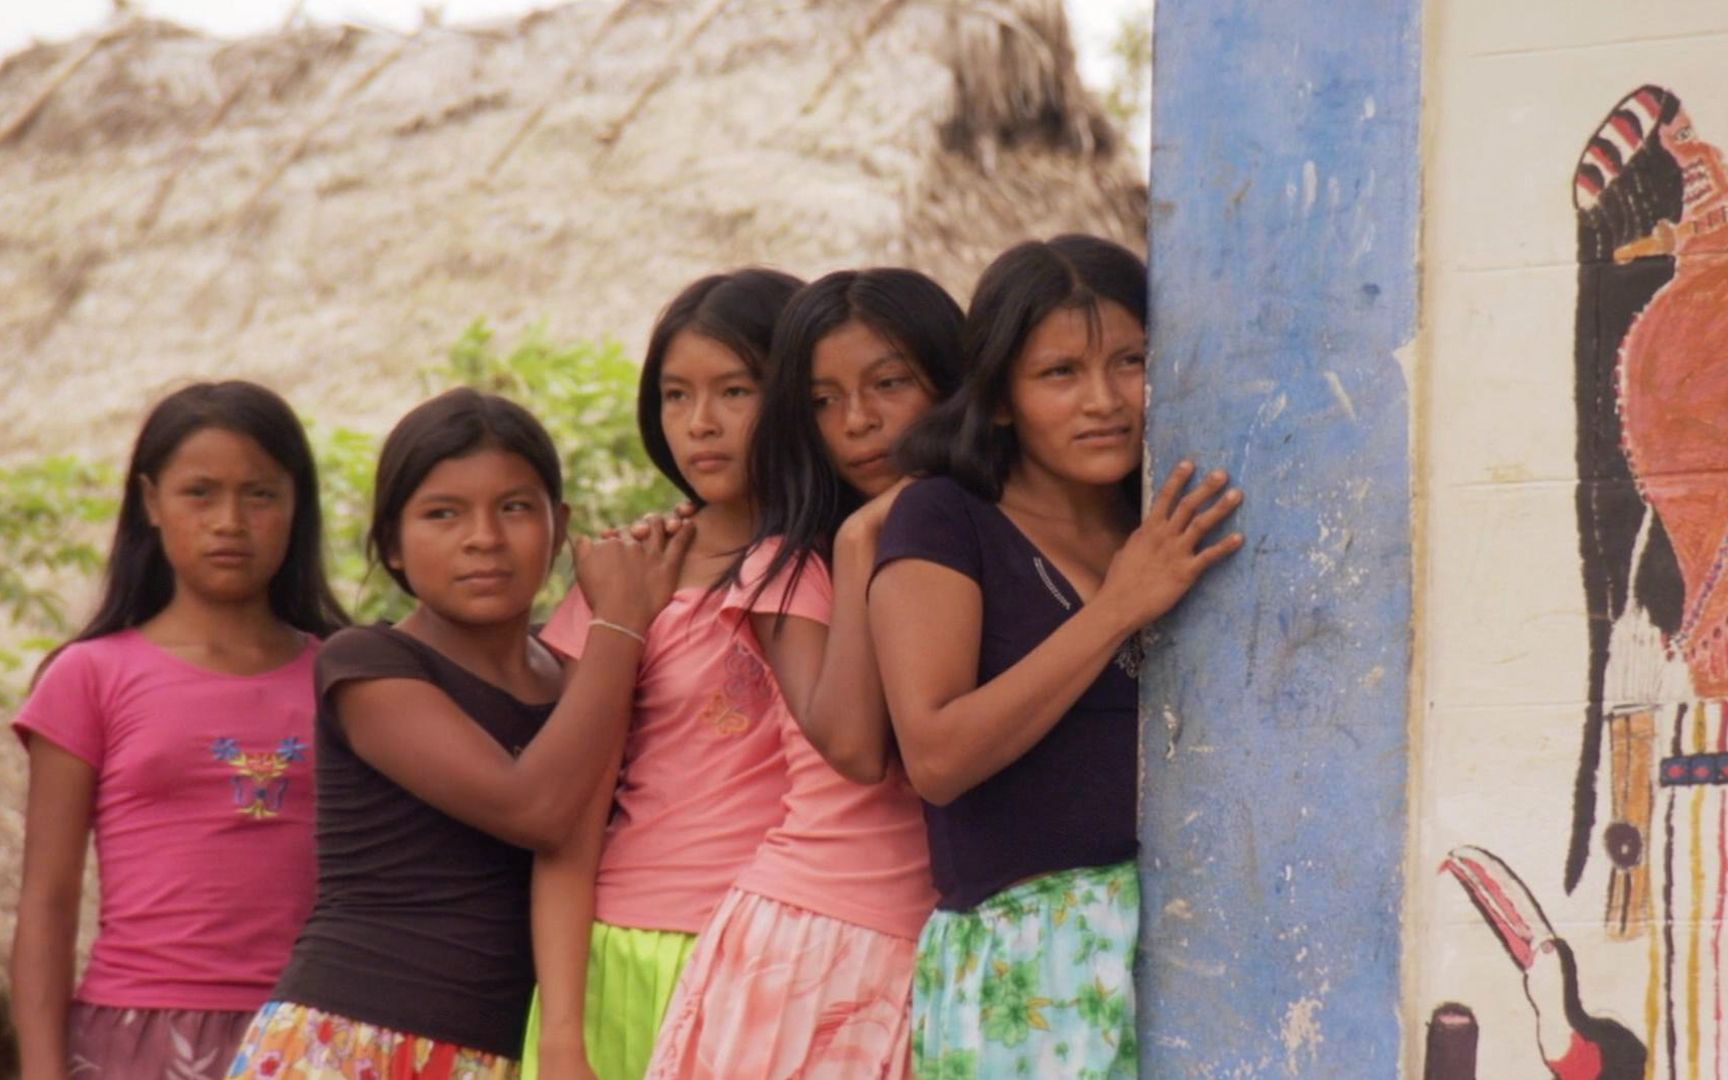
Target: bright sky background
(1095,21)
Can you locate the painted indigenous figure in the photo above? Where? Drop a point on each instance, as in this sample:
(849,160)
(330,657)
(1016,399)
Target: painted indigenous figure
(1652,502)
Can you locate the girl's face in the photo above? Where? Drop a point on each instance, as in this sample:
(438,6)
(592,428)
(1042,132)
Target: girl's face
(864,392)
(478,536)
(1075,397)
(708,406)
(224,509)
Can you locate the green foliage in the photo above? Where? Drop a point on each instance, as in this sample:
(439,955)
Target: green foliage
(585,394)
(51,515)
(1127,97)
(346,459)
(53,510)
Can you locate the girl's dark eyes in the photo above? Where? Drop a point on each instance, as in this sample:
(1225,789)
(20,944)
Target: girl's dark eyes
(1057,370)
(822,402)
(894,382)
(739,391)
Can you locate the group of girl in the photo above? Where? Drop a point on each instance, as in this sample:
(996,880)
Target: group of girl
(829,774)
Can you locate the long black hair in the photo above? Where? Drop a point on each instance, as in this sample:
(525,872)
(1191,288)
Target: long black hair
(801,496)
(139,582)
(961,437)
(737,309)
(454,424)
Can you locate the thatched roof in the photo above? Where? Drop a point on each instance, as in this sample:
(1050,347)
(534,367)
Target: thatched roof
(325,208)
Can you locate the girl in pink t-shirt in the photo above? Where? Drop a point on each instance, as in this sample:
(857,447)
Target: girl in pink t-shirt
(177,726)
(703,770)
(806,968)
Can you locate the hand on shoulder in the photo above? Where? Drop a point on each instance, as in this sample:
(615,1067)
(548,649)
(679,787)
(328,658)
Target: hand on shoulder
(864,525)
(628,581)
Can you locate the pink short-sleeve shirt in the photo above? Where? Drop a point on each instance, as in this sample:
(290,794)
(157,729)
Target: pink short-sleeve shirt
(203,817)
(703,771)
(855,852)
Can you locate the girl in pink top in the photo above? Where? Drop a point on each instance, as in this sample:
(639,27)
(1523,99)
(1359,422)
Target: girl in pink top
(703,771)
(177,726)
(806,968)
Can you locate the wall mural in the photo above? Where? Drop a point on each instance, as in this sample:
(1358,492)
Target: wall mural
(1651,789)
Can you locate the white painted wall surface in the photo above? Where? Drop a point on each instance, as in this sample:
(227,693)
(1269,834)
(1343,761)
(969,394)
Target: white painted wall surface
(1514,91)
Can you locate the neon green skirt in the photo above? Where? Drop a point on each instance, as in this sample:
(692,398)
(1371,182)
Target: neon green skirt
(631,976)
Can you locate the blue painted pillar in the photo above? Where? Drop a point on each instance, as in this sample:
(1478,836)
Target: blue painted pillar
(1284,288)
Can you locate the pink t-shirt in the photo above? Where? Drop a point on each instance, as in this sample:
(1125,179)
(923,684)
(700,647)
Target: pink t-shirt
(855,852)
(203,817)
(703,771)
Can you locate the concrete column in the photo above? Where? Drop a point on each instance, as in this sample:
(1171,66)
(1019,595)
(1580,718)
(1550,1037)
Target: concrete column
(1284,275)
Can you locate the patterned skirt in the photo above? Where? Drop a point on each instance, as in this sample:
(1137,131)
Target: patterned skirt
(297,1042)
(113,1042)
(1036,981)
(778,992)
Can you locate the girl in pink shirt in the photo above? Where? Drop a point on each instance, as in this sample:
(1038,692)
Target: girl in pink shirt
(703,771)
(806,968)
(177,726)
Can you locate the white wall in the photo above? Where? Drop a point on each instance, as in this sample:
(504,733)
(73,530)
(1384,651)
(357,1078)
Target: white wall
(1514,91)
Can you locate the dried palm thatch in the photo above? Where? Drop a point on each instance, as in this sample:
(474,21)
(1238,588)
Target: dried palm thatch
(324,208)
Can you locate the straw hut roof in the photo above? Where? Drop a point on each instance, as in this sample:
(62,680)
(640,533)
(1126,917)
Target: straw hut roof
(325,208)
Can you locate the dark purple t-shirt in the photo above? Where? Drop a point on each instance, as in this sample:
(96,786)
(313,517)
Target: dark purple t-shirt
(1067,802)
(421,921)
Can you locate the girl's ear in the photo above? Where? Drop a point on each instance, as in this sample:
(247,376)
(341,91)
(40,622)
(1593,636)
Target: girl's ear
(560,527)
(152,500)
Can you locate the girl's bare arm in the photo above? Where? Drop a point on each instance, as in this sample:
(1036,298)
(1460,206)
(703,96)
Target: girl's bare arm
(953,733)
(412,732)
(563,920)
(56,829)
(926,620)
(829,674)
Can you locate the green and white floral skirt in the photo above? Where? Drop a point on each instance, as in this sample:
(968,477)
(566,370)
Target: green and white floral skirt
(1036,981)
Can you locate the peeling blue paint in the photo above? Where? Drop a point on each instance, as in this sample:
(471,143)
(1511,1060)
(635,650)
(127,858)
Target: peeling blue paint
(1284,281)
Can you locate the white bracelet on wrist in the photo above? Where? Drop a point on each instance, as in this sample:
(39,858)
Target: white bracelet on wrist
(608,624)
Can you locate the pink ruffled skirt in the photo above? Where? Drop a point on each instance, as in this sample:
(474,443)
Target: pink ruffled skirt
(775,991)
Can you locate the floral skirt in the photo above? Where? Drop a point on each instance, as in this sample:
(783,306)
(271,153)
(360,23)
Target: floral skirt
(114,1042)
(776,992)
(297,1042)
(1036,981)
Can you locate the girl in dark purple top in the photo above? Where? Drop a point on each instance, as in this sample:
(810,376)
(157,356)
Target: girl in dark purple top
(1010,588)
